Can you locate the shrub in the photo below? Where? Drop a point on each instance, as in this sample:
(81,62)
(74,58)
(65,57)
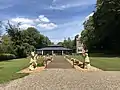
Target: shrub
(40,61)
(40,64)
(7,57)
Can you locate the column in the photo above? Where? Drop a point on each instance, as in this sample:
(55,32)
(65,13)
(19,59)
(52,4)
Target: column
(62,52)
(52,52)
(42,52)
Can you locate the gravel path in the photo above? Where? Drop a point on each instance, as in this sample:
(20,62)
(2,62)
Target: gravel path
(66,79)
(59,62)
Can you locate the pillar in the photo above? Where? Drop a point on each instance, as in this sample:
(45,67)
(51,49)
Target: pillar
(52,52)
(62,52)
(42,52)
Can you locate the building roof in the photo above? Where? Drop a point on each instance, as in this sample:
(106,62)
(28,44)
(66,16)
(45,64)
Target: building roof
(54,48)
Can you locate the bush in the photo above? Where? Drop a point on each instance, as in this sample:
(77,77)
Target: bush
(40,61)
(7,57)
(40,64)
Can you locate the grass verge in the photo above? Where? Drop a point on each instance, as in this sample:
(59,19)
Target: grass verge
(104,63)
(9,69)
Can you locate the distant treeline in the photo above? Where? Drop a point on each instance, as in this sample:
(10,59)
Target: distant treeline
(68,43)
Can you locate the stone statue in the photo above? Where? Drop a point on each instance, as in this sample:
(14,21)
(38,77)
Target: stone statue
(49,58)
(33,61)
(87,61)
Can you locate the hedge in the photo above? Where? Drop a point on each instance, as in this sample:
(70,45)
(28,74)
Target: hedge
(7,57)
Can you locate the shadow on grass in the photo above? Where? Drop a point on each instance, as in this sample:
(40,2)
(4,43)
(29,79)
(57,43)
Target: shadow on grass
(14,77)
(18,75)
(103,55)
(1,67)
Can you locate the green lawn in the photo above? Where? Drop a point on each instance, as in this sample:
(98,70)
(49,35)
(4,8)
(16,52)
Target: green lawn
(9,69)
(104,63)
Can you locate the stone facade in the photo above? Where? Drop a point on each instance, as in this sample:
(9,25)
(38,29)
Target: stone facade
(79,45)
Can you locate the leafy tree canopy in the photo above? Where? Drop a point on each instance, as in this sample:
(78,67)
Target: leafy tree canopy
(102,29)
(22,42)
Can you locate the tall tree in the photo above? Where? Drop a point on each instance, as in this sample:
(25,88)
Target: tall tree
(21,48)
(87,35)
(107,21)
(25,41)
(104,33)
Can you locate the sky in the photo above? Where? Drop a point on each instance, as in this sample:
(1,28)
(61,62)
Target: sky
(57,19)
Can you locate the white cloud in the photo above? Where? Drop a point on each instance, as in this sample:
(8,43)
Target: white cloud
(25,26)
(37,20)
(42,18)
(25,22)
(22,20)
(64,4)
(40,22)
(57,40)
(62,7)
(47,25)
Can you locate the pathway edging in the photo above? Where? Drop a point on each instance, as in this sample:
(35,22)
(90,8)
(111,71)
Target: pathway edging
(81,69)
